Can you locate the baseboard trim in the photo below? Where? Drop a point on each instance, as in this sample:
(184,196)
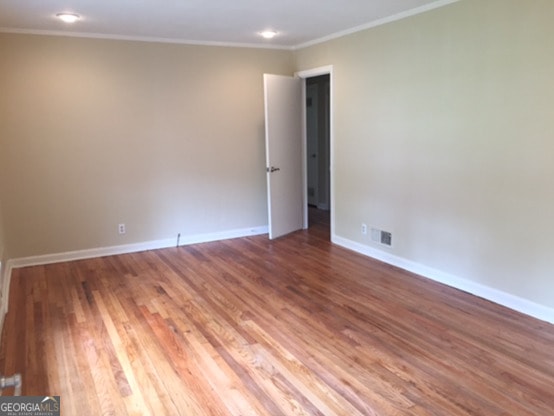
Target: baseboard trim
(133,248)
(508,300)
(5,274)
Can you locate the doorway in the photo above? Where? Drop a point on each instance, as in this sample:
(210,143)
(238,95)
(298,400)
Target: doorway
(318,150)
(287,156)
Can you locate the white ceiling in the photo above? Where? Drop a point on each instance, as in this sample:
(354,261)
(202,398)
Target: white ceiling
(230,22)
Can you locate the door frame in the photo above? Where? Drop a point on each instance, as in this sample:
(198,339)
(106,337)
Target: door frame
(323,70)
(314,144)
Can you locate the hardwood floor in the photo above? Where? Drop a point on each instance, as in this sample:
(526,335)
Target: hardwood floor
(249,326)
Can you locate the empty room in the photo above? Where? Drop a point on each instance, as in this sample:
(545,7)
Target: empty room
(277,208)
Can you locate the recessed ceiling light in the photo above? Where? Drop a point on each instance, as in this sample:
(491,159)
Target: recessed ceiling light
(68,17)
(268,34)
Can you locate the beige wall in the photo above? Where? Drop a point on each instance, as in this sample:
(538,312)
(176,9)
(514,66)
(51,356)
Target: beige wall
(3,249)
(3,267)
(3,245)
(2,236)
(444,133)
(165,138)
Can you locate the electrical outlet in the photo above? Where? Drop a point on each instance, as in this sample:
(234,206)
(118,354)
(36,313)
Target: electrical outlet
(364,229)
(121,228)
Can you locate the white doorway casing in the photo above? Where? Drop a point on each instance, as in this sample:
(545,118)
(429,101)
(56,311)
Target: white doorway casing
(312,136)
(324,70)
(317,131)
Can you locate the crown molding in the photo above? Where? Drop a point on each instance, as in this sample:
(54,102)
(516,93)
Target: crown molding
(379,22)
(141,39)
(375,23)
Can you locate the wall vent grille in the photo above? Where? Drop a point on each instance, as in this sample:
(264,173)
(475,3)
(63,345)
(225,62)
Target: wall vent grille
(381,237)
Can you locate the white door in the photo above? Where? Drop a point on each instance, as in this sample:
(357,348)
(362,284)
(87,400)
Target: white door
(283,144)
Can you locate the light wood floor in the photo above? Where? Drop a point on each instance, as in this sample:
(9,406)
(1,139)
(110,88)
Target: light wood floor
(258,327)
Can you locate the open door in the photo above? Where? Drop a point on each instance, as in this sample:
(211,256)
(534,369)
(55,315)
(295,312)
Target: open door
(283,144)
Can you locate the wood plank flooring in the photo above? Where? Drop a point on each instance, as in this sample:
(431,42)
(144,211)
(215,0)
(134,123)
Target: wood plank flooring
(249,326)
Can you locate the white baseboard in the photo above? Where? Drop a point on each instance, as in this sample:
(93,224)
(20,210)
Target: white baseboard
(110,251)
(134,248)
(502,298)
(5,275)
(508,300)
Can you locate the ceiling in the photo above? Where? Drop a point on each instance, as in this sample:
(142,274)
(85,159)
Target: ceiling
(228,22)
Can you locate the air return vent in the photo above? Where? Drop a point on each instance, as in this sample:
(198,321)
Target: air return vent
(381,237)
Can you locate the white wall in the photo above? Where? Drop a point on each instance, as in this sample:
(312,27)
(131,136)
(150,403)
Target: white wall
(443,130)
(165,138)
